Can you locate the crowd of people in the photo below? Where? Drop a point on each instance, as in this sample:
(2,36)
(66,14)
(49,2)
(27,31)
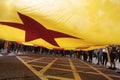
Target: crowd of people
(101,55)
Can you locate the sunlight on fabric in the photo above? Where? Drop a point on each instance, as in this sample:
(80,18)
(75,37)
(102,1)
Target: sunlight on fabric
(61,23)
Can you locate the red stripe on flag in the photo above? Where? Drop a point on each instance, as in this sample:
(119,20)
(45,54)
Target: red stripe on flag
(58,48)
(84,47)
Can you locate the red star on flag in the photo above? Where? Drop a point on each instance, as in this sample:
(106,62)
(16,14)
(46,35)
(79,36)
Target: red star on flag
(34,30)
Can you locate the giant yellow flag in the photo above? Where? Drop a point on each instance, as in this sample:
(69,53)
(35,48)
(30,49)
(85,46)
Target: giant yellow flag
(66,24)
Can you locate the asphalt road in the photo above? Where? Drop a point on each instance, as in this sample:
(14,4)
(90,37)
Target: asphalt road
(44,67)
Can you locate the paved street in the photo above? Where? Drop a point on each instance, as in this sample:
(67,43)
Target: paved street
(44,67)
(12,69)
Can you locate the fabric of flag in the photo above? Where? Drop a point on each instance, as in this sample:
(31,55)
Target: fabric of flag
(69,24)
